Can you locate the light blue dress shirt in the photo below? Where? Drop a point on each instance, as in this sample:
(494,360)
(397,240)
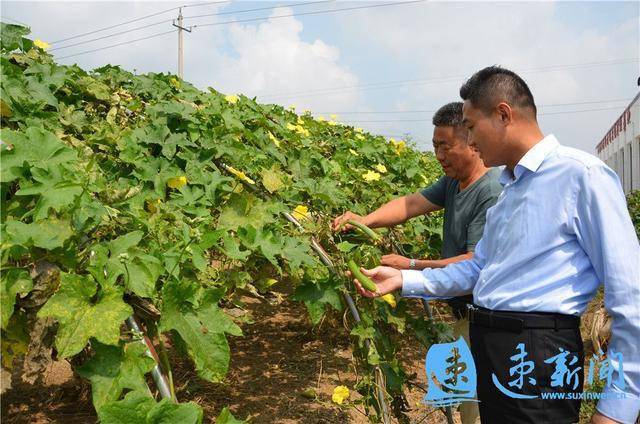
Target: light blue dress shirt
(559,229)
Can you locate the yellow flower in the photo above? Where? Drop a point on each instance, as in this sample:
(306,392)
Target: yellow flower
(333,116)
(232,99)
(241,175)
(301,212)
(177,182)
(371,176)
(389,299)
(306,112)
(299,129)
(398,145)
(340,394)
(41,44)
(359,130)
(359,136)
(320,118)
(353,152)
(381,168)
(332,123)
(274,139)
(292,107)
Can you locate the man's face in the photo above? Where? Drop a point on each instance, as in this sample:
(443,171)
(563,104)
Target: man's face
(485,134)
(452,151)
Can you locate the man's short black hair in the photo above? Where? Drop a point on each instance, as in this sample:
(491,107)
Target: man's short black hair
(449,115)
(492,85)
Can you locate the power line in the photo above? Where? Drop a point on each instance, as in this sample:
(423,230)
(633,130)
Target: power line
(135,20)
(421,81)
(428,119)
(171,20)
(111,35)
(242,21)
(308,13)
(232,12)
(434,110)
(120,44)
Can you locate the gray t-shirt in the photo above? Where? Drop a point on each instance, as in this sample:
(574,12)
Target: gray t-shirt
(464,214)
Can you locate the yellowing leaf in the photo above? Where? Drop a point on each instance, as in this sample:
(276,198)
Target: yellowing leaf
(177,182)
(271,180)
(359,136)
(41,44)
(274,139)
(371,176)
(292,107)
(389,299)
(232,99)
(301,212)
(353,152)
(241,175)
(381,168)
(151,205)
(340,394)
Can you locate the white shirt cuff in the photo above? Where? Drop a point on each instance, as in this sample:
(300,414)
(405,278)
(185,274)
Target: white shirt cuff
(412,283)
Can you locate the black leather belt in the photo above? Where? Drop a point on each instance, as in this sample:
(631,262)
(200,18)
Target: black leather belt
(518,321)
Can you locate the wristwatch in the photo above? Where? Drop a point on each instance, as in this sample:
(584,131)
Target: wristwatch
(412,263)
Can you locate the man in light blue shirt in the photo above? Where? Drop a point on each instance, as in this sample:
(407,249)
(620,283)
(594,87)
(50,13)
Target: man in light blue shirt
(559,229)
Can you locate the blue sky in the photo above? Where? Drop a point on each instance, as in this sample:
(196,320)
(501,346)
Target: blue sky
(353,48)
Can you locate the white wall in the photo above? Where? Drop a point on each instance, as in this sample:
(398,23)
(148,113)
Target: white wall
(620,148)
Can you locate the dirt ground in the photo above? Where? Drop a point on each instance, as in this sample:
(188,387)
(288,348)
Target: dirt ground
(279,358)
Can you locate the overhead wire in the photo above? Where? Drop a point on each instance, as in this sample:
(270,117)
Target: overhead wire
(421,81)
(220,23)
(172,20)
(136,20)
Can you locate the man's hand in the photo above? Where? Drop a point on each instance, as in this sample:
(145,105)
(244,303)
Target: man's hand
(598,418)
(395,261)
(342,219)
(385,278)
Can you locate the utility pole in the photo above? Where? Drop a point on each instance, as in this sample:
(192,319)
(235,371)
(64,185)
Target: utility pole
(180,54)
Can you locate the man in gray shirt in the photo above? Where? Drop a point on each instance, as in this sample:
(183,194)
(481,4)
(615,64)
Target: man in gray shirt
(465,192)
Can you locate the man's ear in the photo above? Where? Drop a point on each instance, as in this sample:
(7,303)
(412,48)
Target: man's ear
(505,113)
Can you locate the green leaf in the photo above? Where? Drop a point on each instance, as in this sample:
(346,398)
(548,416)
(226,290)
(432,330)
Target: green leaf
(202,329)
(123,243)
(13,281)
(114,369)
(47,234)
(12,37)
(317,296)
(35,147)
(81,318)
(140,408)
(345,246)
(226,417)
(142,273)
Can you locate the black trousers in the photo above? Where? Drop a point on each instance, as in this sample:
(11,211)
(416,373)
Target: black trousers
(493,348)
